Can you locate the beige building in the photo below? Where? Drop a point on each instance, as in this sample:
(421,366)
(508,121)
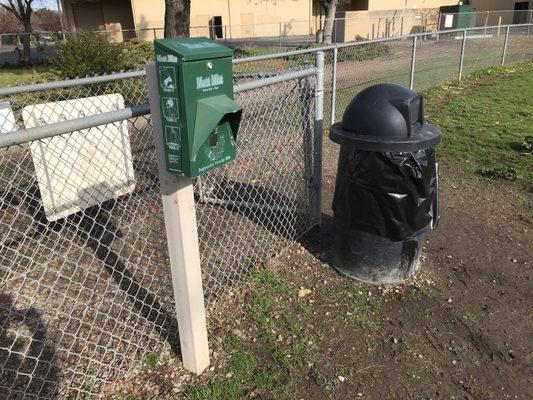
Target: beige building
(372,19)
(125,19)
(236,18)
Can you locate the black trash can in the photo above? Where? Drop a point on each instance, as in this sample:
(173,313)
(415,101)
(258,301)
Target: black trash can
(386,193)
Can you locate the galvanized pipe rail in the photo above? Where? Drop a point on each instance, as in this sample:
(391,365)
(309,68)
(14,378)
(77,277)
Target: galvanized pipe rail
(90,80)
(245,86)
(59,128)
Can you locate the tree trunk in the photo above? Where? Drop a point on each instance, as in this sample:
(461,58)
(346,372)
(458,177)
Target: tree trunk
(177,18)
(330,19)
(26,44)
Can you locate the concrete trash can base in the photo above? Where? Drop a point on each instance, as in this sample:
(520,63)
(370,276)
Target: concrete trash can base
(374,259)
(386,192)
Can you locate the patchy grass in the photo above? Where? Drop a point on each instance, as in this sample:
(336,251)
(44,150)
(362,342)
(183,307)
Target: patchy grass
(485,121)
(415,291)
(527,144)
(500,172)
(433,371)
(152,360)
(466,353)
(239,381)
(268,289)
(18,76)
(361,307)
(284,346)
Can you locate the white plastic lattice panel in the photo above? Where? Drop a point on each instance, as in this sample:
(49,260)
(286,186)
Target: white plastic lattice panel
(7,119)
(82,168)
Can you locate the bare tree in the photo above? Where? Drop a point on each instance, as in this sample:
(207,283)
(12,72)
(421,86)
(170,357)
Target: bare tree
(330,8)
(177,18)
(9,23)
(22,10)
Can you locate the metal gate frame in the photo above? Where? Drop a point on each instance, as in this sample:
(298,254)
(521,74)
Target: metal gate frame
(312,141)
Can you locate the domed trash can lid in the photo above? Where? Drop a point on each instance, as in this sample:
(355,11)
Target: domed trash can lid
(386,118)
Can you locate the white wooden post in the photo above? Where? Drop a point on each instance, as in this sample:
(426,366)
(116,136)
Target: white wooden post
(182,238)
(462,57)
(505,43)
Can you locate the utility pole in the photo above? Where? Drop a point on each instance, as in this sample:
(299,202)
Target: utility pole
(60,11)
(229,18)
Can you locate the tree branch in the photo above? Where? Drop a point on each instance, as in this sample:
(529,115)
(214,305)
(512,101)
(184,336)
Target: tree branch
(11,8)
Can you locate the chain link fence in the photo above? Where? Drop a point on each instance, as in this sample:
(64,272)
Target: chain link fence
(279,36)
(436,58)
(419,61)
(85,288)
(84,271)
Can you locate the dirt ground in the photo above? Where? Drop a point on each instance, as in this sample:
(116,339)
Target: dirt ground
(464,332)
(459,330)
(296,329)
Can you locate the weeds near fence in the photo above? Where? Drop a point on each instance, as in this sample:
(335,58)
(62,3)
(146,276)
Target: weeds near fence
(527,144)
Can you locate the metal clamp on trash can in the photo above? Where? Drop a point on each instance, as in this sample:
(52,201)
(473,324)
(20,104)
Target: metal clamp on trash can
(386,192)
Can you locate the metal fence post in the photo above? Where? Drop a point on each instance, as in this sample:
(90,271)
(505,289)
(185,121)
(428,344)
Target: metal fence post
(306,97)
(413,63)
(530,20)
(462,58)
(334,84)
(182,240)
(280,36)
(319,128)
(438,26)
(506,41)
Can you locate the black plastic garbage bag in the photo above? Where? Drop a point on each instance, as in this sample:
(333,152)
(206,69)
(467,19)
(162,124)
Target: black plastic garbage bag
(392,195)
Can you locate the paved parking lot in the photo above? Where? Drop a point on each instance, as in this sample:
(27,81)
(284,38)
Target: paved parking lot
(10,55)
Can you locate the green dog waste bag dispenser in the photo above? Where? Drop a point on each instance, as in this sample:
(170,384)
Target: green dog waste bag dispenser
(200,120)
